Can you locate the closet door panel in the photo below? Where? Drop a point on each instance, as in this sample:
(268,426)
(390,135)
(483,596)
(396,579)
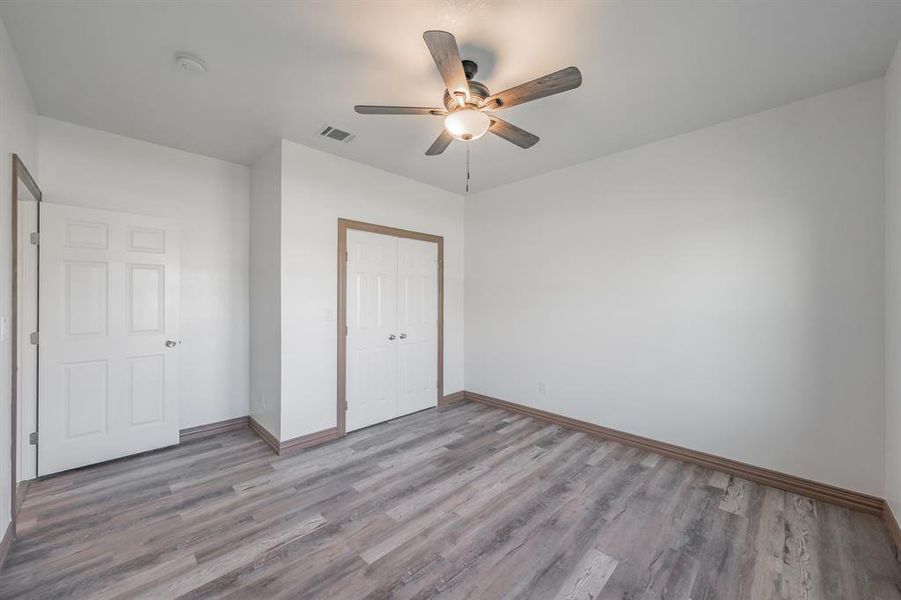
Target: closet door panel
(371,390)
(417,322)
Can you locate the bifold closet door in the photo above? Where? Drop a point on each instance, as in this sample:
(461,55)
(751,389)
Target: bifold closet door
(417,323)
(371,390)
(392,327)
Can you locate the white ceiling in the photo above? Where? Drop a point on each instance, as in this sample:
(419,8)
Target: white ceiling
(281,69)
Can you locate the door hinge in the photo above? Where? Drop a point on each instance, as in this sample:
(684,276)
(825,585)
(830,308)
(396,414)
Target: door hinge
(35,238)
(345,330)
(33,438)
(345,405)
(33,338)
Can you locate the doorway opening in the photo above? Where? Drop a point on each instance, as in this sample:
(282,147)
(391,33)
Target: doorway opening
(25,233)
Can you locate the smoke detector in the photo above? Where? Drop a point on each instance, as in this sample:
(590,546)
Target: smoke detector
(190,63)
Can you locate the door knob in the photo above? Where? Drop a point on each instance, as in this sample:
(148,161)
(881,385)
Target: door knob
(403,336)
(170,343)
(391,337)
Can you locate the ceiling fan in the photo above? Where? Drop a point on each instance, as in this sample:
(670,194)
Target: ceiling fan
(468,102)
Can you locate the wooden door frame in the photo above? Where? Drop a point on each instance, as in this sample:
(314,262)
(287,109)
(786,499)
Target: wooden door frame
(343,226)
(19,173)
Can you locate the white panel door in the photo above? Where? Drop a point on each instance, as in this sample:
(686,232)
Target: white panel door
(371,349)
(108,336)
(417,323)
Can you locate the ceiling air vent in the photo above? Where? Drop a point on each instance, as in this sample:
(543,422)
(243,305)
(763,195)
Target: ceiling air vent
(335,134)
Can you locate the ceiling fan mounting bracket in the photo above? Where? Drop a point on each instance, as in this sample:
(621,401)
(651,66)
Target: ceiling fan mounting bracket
(470,68)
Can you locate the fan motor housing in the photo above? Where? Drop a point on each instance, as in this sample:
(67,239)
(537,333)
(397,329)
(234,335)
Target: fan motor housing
(478,92)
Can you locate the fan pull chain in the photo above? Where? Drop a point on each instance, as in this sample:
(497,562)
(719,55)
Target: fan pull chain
(467,166)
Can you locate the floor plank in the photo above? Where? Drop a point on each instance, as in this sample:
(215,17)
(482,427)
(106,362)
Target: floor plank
(465,501)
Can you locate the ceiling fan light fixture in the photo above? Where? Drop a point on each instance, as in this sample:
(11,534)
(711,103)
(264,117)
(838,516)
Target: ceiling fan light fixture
(465,98)
(467,124)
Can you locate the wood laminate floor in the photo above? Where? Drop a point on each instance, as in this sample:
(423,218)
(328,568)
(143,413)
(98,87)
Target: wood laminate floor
(461,502)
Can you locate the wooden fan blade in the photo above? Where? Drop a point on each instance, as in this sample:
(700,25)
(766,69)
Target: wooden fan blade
(446,55)
(512,133)
(561,81)
(365,109)
(441,144)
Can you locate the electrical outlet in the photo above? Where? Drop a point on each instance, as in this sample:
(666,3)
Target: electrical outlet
(542,388)
(4,329)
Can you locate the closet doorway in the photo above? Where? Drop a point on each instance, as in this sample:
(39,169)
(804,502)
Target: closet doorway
(390,325)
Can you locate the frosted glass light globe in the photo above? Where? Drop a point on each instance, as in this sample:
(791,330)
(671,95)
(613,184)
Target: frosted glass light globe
(467,124)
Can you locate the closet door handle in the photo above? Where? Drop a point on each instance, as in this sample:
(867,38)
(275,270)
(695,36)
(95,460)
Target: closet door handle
(391,337)
(403,336)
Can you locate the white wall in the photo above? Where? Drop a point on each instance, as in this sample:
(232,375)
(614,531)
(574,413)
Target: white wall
(210,198)
(893,284)
(721,290)
(265,290)
(18,134)
(317,189)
